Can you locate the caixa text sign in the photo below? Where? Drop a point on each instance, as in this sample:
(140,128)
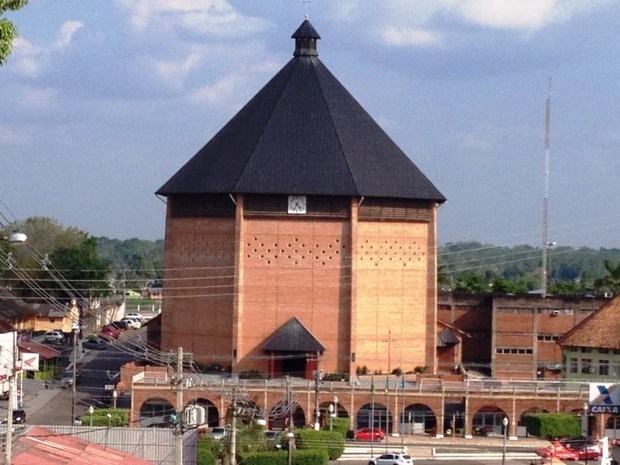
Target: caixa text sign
(604,398)
(611,409)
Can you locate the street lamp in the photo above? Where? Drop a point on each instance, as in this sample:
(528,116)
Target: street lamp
(505,423)
(114,396)
(333,412)
(109,420)
(13,238)
(584,420)
(91,410)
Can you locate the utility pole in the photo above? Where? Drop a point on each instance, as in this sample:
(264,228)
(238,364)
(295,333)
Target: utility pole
(74,334)
(289,433)
(545,242)
(233,432)
(178,437)
(317,378)
(8,450)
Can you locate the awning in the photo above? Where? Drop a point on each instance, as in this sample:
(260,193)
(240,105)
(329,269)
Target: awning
(293,336)
(45,352)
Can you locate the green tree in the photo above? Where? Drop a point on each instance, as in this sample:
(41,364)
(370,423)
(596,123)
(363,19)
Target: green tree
(82,268)
(471,282)
(8,31)
(611,281)
(509,286)
(56,261)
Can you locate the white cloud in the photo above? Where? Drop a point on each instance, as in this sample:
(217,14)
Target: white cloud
(66,34)
(410,36)
(414,23)
(30,59)
(38,98)
(174,72)
(510,14)
(209,17)
(13,135)
(219,91)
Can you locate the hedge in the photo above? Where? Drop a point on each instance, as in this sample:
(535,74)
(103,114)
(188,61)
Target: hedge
(552,425)
(299,457)
(119,417)
(331,441)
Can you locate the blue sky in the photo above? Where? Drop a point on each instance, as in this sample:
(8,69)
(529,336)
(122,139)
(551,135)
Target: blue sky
(102,101)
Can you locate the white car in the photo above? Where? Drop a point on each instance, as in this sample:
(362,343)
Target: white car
(219,433)
(135,316)
(54,335)
(393,458)
(132,323)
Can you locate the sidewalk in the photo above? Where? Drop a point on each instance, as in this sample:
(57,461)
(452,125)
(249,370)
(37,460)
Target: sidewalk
(426,447)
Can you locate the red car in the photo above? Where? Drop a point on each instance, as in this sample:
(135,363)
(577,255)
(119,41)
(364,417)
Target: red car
(109,331)
(558,451)
(369,434)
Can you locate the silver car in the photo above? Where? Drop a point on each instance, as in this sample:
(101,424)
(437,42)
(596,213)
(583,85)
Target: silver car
(393,458)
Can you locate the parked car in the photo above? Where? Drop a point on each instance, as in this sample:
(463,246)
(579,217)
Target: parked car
(122,325)
(135,315)
(19,416)
(132,323)
(559,451)
(369,434)
(95,344)
(219,433)
(54,335)
(393,458)
(67,378)
(109,332)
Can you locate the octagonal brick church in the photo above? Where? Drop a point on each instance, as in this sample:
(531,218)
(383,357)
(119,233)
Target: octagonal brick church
(301,237)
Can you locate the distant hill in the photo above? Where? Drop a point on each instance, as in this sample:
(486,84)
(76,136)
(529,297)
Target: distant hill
(137,260)
(565,264)
(133,261)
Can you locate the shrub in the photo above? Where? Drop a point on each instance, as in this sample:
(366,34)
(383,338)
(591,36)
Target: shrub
(341,425)
(118,417)
(336,377)
(252,374)
(552,425)
(331,441)
(360,371)
(299,457)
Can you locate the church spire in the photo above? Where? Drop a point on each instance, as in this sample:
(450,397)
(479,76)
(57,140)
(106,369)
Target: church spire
(305,40)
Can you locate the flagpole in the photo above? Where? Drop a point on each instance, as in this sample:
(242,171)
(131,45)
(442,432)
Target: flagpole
(372,416)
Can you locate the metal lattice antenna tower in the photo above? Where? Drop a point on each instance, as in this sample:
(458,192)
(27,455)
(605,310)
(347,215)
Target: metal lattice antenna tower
(545,239)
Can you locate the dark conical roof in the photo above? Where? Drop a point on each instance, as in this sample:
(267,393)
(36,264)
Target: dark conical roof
(303,133)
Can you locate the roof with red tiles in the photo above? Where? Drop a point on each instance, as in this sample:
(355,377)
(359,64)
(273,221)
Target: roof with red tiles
(41,446)
(601,329)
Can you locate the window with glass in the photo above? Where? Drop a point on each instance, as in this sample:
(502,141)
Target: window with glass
(603,367)
(586,366)
(574,365)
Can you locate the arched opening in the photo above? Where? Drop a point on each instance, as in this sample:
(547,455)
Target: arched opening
(521,428)
(331,410)
(488,421)
(212,414)
(612,427)
(374,416)
(156,412)
(278,417)
(418,419)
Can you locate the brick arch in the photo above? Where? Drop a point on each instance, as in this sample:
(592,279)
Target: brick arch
(418,411)
(155,410)
(382,419)
(212,413)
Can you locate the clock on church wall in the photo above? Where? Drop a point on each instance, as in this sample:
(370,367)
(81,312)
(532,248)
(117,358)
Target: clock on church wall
(297,204)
